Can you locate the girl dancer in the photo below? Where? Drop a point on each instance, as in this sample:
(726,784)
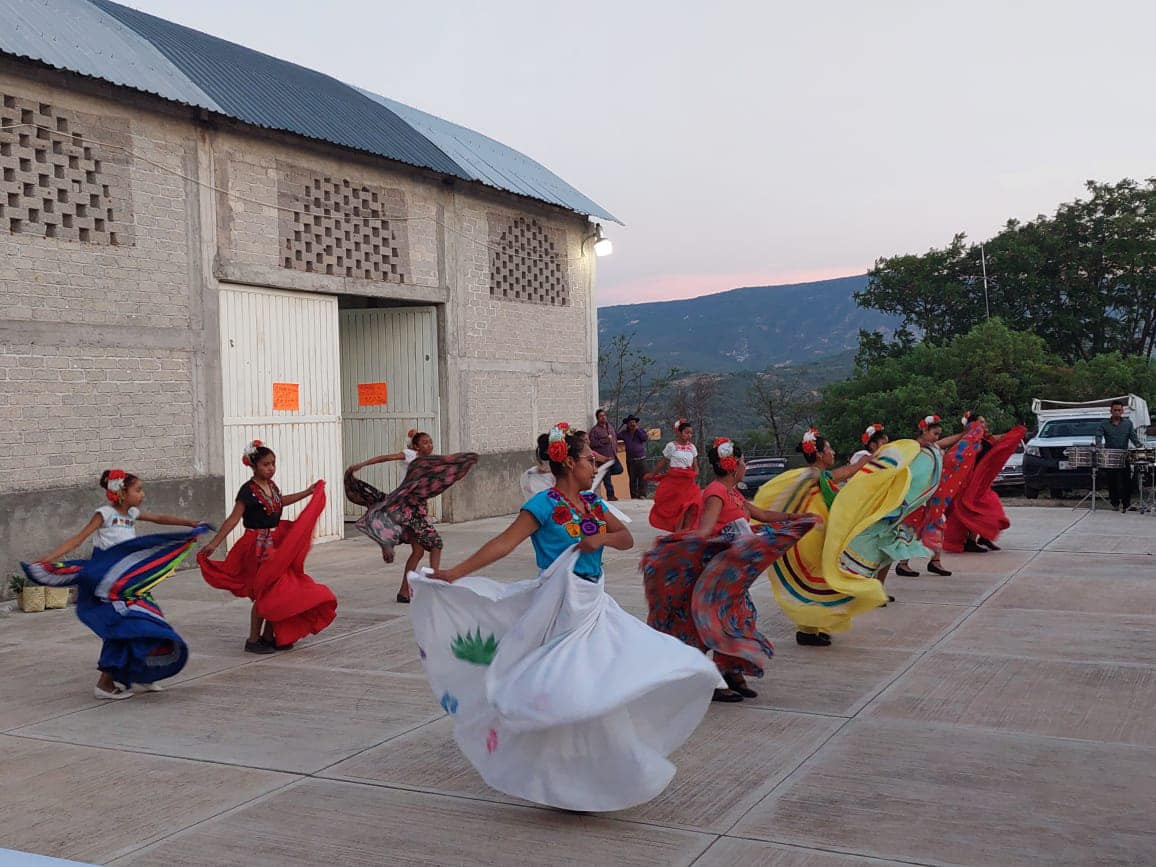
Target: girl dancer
(977,517)
(928,520)
(267,564)
(558,695)
(874,437)
(678,500)
(818,583)
(403,516)
(697,583)
(113,598)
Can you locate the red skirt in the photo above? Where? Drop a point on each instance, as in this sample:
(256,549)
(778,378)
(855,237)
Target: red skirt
(677,495)
(978,508)
(268,566)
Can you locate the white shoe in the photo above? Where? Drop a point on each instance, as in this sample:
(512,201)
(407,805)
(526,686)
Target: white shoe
(147,687)
(114,695)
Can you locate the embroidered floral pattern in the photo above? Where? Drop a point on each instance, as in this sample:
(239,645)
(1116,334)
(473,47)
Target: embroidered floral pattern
(449,703)
(589,522)
(270,502)
(491,741)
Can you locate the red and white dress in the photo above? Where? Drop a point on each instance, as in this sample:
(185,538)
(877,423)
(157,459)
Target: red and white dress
(678,499)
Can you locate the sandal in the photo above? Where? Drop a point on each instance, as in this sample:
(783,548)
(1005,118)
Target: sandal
(726,695)
(813,639)
(738,684)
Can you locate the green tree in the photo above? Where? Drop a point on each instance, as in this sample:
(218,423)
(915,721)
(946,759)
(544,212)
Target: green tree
(991,370)
(1083,279)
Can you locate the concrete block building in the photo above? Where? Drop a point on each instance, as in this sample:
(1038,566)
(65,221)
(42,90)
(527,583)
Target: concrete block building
(201,245)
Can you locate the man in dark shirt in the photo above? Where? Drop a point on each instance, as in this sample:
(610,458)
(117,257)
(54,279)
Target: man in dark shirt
(604,444)
(1117,432)
(635,439)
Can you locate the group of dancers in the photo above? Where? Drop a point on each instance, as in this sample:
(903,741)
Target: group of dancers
(557,695)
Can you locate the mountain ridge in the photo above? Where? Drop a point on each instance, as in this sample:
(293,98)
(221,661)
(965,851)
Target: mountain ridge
(748,328)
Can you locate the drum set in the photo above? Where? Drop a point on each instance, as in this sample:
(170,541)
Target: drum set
(1140,462)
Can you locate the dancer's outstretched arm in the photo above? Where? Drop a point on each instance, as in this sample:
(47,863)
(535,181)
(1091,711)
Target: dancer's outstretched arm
(494,550)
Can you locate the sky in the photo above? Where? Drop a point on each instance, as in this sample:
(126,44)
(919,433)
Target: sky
(756,143)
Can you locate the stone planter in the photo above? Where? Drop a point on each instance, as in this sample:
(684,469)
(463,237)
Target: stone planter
(32,599)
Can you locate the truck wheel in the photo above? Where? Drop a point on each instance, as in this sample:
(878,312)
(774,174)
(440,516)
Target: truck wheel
(1031,493)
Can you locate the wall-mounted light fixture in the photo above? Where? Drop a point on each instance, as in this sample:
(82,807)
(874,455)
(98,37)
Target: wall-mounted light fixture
(603,246)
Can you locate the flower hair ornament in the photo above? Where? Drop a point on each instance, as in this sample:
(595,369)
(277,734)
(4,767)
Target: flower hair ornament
(809,447)
(966,420)
(409,433)
(679,425)
(114,484)
(250,450)
(927,421)
(872,429)
(558,450)
(726,454)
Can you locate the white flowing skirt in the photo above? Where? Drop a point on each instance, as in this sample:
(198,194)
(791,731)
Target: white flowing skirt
(557,695)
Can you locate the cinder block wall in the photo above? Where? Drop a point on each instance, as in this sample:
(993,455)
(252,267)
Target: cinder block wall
(112,248)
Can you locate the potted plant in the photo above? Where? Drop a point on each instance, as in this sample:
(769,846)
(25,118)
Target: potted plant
(31,595)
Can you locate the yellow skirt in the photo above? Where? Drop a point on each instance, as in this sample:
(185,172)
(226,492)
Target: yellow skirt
(811,582)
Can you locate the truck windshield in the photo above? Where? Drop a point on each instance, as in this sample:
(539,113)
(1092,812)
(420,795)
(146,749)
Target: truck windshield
(1071,427)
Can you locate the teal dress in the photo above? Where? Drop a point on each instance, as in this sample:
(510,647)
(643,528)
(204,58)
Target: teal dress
(561,525)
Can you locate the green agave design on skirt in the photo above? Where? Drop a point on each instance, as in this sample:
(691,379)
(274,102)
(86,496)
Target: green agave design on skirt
(473,648)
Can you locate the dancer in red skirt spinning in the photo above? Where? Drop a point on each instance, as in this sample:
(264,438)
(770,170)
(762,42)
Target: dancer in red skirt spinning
(678,499)
(267,564)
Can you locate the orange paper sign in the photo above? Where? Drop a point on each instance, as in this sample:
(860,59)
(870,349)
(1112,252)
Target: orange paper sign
(286,396)
(372,394)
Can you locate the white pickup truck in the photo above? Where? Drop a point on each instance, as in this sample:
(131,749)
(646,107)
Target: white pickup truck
(1062,425)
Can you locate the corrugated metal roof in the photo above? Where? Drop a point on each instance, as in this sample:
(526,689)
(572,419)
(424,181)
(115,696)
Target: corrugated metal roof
(493,163)
(77,36)
(130,48)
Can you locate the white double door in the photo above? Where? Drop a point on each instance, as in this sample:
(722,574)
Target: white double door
(291,364)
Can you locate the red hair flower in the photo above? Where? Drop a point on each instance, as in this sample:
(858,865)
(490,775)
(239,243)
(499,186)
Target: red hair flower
(809,438)
(928,420)
(114,484)
(872,429)
(558,451)
(729,464)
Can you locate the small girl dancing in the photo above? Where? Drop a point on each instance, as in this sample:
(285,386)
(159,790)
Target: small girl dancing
(135,649)
(267,563)
(411,514)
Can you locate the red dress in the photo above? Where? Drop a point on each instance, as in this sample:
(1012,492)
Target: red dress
(267,565)
(978,509)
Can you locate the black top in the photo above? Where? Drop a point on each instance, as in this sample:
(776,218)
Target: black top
(261,512)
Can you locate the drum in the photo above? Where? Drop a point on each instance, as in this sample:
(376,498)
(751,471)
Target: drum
(1080,456)
(1113,459)
(1142,457)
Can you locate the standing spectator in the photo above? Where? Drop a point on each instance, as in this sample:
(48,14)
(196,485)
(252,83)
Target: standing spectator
(635,439)
(604,444)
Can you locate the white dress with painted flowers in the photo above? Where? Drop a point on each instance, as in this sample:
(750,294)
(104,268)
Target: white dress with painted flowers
(557,695)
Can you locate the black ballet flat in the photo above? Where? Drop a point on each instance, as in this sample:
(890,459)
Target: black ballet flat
(404,600)
(972,548)
(739,685)
(813,639)
(726,695)
(907,573)
(988,543)
(937,569)
(259,647)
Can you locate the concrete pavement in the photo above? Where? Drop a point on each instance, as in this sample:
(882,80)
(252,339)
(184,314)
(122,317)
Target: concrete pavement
(1004,715)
